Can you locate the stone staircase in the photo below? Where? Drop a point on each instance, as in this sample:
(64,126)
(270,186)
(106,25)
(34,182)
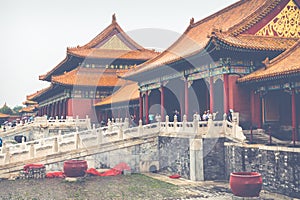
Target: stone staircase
(116,136)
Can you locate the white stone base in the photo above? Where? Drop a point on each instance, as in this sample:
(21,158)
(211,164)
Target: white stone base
(245,198)
(73,179)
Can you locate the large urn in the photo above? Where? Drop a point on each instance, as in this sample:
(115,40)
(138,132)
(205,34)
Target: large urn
(75,168)
(245,184)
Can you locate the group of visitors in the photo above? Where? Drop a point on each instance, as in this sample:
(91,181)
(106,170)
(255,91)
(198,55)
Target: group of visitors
(203,117)
(156,118)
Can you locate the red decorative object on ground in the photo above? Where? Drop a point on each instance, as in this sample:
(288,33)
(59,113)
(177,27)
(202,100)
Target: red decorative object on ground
(33,170)
(55,175)
(75,168)
(33,166)
(117,170)
(245,184)
(175,176)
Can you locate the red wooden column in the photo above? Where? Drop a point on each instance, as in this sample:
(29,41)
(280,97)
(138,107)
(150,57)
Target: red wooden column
(65,108)
(53,110)
(186,98)
(119,112)
(141,106)
(147,106)
(211,94)
(50,107)
(49,110)
(62,105)
(106,116)
(46,111)
(162,102)
(56,109)
(294,118)
(226,93)
(63,112)
(256,109)
(59,109)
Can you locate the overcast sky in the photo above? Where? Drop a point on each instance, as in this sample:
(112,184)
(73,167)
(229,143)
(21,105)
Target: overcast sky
(34,34)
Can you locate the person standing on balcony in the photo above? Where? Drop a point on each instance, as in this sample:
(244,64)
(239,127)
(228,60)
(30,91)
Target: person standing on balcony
(229,115)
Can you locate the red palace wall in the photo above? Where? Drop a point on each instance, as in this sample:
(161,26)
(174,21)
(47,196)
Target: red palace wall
(82,107)
(239,99)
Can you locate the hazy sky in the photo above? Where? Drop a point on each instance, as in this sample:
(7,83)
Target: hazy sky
(34,34)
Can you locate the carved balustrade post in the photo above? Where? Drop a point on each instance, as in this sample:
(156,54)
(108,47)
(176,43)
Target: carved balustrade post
(224,123)
(120,133)
(3,149)
(31,151)
(184,121)
(77,141)
(126,123)
(167,122)
(100,137)
(7,156)
(140,128)
(175,122)
(195,124)
(109,124)
(210,125)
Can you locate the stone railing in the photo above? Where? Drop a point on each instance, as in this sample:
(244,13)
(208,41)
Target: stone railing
(43,122)
(115,131)
(208,128)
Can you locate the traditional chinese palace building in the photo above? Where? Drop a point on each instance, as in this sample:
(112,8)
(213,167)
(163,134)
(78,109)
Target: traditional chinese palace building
(90,73)
(244,57)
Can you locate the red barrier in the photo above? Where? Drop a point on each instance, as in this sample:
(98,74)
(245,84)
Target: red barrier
(55,175)
(117,170)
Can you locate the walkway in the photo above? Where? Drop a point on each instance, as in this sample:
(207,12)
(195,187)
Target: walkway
(260,137)
(210,190)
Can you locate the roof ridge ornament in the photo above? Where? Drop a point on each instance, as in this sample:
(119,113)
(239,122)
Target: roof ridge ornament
(266,62)
(114,19)
(192,21)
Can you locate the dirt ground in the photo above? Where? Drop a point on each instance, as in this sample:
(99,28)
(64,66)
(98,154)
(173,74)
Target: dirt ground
(135,186)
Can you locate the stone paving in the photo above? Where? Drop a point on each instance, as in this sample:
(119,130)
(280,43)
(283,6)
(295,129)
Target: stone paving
(212,190)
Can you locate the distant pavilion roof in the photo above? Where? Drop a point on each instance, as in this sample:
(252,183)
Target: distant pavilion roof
(127,92)
(82,76)
(286,64)
(3,115)
(29,102)
(29,109)
(112,43)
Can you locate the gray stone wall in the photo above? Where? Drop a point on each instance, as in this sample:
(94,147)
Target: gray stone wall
(174,155)
(141,157)
(214,158)
(280,169)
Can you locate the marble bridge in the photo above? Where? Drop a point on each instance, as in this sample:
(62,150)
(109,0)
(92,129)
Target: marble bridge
(138,146)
